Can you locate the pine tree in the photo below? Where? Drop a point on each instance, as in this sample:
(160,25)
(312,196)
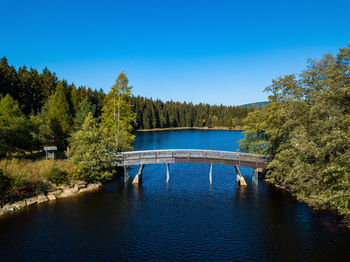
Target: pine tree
(75,100)
(8,80)
(84,108)
(59,117)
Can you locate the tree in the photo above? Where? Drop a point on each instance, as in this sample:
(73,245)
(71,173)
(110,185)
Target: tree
(84,108)
(15,129)
(88,152)
(59,118)
(75,100)
(8,79)
(117,115)
(305,128)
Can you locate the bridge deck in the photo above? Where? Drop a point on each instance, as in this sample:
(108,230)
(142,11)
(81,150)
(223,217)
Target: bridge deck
(191,156)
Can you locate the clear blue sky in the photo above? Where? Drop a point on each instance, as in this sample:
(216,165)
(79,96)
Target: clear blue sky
(200,51)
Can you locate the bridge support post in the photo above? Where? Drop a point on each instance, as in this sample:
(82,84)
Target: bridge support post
(138,177)
(167,173)
(255,177)
(210,173)
(126,175)
(240,178)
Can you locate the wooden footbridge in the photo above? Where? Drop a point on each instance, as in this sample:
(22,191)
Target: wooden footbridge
(211,157)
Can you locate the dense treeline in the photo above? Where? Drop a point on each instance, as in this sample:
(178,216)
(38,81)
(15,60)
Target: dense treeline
(306,129)
(32,89)
(157,114)
(63,119)
(45,110)
(37,109)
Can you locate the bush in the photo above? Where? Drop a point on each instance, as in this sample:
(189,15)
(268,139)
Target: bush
(18,179)
(4,187)
(55,175)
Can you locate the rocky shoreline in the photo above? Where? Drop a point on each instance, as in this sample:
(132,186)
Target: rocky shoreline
(59,192)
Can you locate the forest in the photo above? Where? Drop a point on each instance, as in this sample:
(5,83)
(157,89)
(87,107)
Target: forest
(38,109)
(157,114)
(306,130)
(36,101)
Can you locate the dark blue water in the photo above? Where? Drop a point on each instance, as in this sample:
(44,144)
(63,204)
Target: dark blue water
(186,220)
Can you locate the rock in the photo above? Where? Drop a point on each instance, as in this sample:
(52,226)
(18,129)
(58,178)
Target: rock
(91,187)
(20,204)
(80,185)
(5,210)
(51,197)
(84,190)
(63,187)
(69,192)
(8,208)
(94,186)
(42,199)
(31,201)
(55,193)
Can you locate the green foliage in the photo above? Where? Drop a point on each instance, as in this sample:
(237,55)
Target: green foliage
(34,93)
(18,178)
(117,116)
(75,100)
(59,116)
(15,129)
(306,129)
(88,152)
(28,87)
(55,175)
(45,135)
(85,107)
(55,119)
(157,114)
(55,109)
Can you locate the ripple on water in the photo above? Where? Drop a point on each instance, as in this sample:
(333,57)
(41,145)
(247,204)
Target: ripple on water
(186,220)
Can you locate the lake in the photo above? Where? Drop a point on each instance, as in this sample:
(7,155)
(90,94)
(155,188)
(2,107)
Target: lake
(185,220)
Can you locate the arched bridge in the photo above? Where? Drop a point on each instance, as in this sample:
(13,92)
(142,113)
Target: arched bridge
(191,156)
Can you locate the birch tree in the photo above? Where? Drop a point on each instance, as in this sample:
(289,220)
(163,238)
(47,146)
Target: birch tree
(118,116)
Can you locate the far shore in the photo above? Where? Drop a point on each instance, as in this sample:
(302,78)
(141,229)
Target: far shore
(189,128)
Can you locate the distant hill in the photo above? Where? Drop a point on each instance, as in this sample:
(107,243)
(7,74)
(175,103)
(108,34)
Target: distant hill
(256,104)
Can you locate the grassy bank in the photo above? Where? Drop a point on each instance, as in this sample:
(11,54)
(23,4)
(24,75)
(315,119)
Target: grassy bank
(190,128)
(24,178)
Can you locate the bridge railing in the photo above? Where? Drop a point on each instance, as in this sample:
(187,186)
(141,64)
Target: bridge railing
(171,154)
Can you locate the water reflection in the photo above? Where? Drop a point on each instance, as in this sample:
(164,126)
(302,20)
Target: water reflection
(185,220)
(138,190)
(241,193)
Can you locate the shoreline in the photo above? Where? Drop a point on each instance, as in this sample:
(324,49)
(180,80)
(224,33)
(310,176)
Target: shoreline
(78,188)
(187,128)
(341,220)
(58,192)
